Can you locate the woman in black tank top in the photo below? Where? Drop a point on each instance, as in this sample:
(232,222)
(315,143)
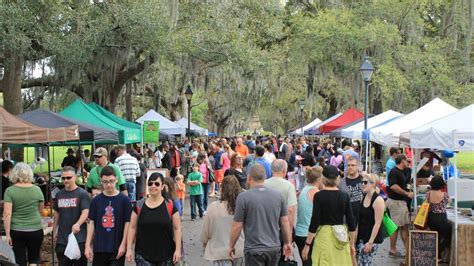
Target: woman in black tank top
(370,232)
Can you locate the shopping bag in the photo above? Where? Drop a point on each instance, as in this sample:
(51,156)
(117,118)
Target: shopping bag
(389,226)
(422,215)
(72,249)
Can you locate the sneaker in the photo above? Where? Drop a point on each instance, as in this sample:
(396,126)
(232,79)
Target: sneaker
(204,214)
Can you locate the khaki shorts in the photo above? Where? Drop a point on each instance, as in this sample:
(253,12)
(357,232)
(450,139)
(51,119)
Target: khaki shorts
(398,212)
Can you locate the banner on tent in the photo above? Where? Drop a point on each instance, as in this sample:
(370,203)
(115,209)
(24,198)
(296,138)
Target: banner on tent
(151,132)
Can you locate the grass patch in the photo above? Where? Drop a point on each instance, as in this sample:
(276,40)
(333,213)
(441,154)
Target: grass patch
(465,162)
(57,155)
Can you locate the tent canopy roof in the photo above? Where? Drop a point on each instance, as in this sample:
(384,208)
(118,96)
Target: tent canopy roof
(349,116)
(184,122)
(101,110)
(389,134)
(14,130)
(167,126)
(81,111)
(451,132)
(315,128)
(87,132)
(355,131)
(308,126)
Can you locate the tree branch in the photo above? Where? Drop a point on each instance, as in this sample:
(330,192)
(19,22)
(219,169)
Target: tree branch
(39,82)
(129,73)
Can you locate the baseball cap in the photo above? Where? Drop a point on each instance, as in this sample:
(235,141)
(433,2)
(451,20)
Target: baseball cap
(101,151)
(330,172)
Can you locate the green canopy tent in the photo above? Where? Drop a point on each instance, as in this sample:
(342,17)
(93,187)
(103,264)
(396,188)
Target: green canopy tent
(113,117)
(83,112)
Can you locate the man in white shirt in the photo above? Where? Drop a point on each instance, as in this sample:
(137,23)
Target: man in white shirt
(130,170)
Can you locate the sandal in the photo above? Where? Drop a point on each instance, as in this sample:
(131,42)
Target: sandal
(396,254)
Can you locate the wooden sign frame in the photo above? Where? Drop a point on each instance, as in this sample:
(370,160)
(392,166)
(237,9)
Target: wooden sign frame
(410,247)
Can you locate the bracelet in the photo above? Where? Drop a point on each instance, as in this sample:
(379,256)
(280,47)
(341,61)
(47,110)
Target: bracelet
(307,244)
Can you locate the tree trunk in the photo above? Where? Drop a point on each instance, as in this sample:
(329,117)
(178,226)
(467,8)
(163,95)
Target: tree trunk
(469,39)
(332,106)
(11,83)
(157,97)
(377,104)
(128,101)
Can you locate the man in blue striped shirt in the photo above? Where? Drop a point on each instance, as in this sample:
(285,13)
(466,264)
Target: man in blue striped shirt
(130,170)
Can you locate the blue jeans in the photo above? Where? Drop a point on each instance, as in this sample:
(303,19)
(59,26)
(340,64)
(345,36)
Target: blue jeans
(196,199)
(132,190)
(205,194)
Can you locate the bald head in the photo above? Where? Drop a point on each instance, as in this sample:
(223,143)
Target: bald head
(257,173)
(279,167)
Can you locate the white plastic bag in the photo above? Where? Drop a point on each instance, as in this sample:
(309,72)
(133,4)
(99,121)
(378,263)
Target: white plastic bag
(72,249)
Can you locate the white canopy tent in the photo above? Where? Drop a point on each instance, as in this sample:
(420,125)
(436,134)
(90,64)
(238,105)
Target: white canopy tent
(308,126)
(315,129)
(184,122)
(355,131)
(453,131)
(389,134)
(167,126)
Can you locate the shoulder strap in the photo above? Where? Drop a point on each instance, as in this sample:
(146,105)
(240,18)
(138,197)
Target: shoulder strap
(139,206)
(169,207)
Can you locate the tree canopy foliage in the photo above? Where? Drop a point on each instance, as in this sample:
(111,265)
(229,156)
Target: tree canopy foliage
(243,58)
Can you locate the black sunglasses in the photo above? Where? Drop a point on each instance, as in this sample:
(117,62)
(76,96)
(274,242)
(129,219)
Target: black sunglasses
(66,177)
(97,156)
(156,183)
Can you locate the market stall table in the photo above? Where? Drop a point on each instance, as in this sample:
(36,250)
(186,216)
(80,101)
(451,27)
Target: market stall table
(465,239)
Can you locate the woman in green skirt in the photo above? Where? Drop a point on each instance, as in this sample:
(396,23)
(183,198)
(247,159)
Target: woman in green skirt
(333,245)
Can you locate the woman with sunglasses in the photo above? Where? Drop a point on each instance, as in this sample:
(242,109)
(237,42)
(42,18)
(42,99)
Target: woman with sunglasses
(155,228)
(369,234)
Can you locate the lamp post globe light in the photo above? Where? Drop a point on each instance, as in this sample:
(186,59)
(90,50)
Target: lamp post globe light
(301,104)
(189,95)
(366,70)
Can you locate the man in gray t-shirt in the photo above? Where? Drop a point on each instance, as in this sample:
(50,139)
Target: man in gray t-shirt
(261,212)
(71,207)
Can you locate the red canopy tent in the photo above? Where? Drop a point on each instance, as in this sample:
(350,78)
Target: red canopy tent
(346,118)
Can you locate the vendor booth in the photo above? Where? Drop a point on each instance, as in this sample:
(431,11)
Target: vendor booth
(315,129)
(454,131)
(389,134)
(80,111)
(345,118)
(167,126)
(199,130)
(87,133)
(299,131)
(355,131)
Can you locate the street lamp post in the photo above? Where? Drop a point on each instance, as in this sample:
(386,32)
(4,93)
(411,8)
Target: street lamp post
(366,70)
(189,96)
(301,104)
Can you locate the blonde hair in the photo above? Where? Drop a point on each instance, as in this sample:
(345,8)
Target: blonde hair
(372,178)
(180,177)
(21,173)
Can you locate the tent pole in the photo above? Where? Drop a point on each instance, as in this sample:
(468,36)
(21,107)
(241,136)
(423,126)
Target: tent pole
(49,195)
(455,208)
(141,132)
(413,176)
(82,158)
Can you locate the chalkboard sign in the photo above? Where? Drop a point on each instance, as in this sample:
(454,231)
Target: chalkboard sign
(423,248)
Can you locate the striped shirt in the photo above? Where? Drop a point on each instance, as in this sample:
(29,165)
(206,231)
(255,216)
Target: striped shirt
(129,166)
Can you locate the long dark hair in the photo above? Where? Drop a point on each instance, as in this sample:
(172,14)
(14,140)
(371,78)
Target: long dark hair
(230,190)
(169,193)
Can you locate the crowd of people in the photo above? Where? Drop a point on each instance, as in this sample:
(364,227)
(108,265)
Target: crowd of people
(255,196)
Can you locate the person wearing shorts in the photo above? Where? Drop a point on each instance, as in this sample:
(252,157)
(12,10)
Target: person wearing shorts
(398,196)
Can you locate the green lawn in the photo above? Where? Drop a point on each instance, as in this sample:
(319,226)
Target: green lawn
(57,155)
(465,162)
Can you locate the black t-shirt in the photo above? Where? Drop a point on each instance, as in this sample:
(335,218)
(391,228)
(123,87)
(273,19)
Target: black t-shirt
(69,161)
(5,185)
(155,233)
(397,177)
(367,222)
(241,176)
(308,159)
(354,188)
(330,207)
